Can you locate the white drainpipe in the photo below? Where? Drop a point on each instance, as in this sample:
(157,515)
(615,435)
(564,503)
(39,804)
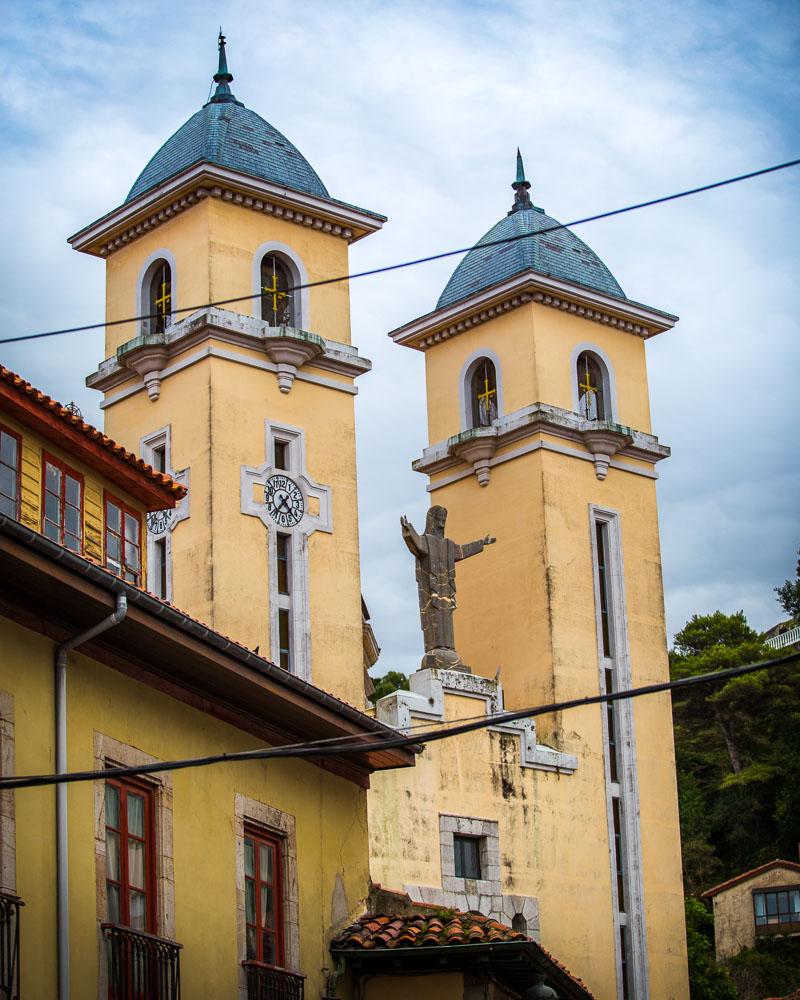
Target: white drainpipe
(62,879)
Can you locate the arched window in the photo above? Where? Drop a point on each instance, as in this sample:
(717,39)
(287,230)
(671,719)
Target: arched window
(483,394)
(277,301)
(160,298)
(519,923)
(593,403)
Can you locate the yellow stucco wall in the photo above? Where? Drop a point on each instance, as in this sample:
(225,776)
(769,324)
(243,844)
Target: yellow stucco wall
(330,815)
(734,919)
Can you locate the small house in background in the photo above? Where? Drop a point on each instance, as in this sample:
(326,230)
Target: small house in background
(759,903)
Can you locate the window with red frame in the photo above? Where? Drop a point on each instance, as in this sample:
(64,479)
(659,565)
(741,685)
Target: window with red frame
(123,540)
(10,461)
(263,897)
(62,503)
(130,855)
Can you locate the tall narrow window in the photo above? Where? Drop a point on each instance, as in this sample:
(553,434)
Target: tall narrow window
(602,586)
(158,458)
(160,297)
(284,639)
(483,392)
(281,454)
(10,462)
(130,855)
(263,873)
(159,572)
(62,514)
(277,300)
(123,540)
(591,388)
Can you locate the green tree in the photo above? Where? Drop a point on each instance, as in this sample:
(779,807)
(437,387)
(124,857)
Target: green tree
(789,595)
(391,681)
(707,980)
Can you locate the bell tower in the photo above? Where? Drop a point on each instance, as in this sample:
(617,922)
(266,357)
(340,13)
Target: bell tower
(539,430)
(251,402)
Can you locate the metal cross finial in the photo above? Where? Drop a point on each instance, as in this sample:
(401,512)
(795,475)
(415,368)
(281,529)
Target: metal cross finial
(485,398)
(522,200)
(223,77)
(590,400)
(272,291)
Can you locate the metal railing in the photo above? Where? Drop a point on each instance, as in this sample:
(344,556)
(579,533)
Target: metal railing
(141,966)
(9,946)
(785,638)
(267,982)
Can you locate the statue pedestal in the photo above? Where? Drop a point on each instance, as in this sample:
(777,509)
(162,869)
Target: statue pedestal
(443,659)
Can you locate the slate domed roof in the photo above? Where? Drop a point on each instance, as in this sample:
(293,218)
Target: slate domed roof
(559,254)
(226,133)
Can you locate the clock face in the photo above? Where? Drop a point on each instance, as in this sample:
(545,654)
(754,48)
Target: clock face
(158,521)
(283,500)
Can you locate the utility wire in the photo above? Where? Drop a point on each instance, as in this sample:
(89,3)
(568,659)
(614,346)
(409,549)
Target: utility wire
(422,260)
(325,748)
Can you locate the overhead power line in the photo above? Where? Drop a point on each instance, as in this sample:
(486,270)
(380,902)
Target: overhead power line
(360,743)
(421,260)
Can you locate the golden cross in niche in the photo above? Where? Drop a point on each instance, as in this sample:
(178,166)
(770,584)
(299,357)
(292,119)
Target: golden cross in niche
(588,389)
(485,396)
(165,298)
(273,292)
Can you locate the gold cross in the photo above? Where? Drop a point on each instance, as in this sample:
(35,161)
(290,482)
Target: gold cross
(588,388)
(272,291)
(487,393)
(165,298)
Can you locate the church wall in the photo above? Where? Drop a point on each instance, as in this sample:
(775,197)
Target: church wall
(329,816)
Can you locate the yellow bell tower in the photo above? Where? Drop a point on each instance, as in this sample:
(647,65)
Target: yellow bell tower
(539,430)
(251,402)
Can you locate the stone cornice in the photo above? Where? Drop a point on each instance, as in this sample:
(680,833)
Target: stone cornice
(149,354)
(204,180)
(600,441)
(442,324)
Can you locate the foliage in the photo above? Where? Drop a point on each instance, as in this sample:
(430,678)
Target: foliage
(789,595)
(391,681)
(737,750)
(707,980)
(772,968)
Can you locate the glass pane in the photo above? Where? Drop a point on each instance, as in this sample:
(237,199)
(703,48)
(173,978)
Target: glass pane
(267,906)
(136,863)
(268,939)
(113,903)
(8,506)
(73,542)
(8,481)
(72,491)
(132,529)
(758,901)
(131,556)
(772,903)
(113,515)
(795,900)
(249,858)
(112,806)
(52,531)
(136,814)
(266,863)
(52,508)
(8,449)
(112,855)
(252,954)
(138,911)
(250,902)
(72,520)
(53,479)
(112,547)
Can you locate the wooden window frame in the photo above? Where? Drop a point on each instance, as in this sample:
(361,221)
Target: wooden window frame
(66,470)
(148,792)
(277,842)
(124,509)
(18,438)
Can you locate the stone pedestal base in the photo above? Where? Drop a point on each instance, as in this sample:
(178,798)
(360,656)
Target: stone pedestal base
(443,659)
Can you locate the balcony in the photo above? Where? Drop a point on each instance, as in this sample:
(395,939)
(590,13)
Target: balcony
(141,966)
(266,982)
(9,946)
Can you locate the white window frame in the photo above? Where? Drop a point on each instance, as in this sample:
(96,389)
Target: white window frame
(298,276)
(143,286)
(626,791)
(609,386)
(148,445)
(465,387)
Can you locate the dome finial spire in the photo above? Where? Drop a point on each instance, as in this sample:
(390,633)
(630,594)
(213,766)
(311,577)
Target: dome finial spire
(522,200)
(222,78)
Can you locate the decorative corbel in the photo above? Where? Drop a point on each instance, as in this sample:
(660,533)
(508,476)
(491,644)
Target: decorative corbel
(148,360)
(604,444)
(289,350)
(477,447)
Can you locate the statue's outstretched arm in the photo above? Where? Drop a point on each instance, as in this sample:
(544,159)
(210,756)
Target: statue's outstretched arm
(414,543)
(473,548)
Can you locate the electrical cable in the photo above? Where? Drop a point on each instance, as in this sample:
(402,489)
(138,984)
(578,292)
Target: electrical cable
(420,260)
(323,748)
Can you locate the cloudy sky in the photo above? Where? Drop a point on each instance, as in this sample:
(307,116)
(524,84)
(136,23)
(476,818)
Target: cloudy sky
(415,110)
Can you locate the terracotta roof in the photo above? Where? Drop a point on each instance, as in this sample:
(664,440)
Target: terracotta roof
(751,874)
(432,927)
(57,422)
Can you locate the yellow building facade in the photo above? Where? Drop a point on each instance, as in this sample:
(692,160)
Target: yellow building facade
(540,435)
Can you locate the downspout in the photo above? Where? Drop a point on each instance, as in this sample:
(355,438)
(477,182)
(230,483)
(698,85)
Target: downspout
(62,879)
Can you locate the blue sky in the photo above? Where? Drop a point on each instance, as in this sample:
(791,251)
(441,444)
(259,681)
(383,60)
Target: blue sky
(415,110)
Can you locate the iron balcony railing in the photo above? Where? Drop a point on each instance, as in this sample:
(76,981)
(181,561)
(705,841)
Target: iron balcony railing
(9,946)
(785,639)
(141,966)
(267,982)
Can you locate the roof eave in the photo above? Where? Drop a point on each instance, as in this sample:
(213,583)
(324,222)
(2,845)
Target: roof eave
(361,221)
(654,320)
